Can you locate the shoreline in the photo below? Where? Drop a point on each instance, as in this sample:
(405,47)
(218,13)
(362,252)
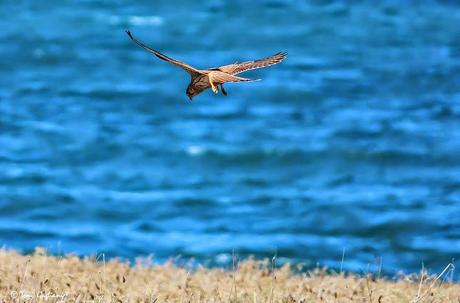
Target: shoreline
(44,278)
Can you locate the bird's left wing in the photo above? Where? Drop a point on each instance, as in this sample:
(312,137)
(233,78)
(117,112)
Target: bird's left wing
(188,68)
(237,68)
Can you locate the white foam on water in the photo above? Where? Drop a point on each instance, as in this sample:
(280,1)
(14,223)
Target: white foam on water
(223,258)
(137,20)
(195,150)
(146,20)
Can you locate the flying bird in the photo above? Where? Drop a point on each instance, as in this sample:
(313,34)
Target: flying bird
(215,77)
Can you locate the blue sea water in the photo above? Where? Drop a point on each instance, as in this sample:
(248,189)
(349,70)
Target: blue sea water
(351,146)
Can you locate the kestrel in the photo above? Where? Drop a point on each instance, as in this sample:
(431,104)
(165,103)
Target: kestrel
(214,77)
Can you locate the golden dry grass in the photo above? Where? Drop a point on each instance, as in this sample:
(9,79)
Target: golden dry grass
(43,278)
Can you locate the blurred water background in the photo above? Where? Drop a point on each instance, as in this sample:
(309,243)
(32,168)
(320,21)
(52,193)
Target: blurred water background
(351,145)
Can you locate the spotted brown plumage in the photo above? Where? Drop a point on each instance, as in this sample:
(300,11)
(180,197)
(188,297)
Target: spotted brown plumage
(214,78)
(237,68)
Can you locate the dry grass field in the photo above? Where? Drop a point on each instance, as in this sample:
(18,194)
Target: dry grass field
(43,278)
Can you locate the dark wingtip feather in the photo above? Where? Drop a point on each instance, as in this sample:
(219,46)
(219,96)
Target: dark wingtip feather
(129,34)
(282,54)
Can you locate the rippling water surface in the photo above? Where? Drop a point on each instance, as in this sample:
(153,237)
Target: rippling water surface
(351,145)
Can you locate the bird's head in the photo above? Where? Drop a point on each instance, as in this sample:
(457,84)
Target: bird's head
(191,92)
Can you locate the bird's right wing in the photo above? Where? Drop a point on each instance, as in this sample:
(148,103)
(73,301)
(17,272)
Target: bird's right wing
(188,68)
(237,68)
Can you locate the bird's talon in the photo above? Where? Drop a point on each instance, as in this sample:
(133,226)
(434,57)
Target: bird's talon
(224,92)
(214,89)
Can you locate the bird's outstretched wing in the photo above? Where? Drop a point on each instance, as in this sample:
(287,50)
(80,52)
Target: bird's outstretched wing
(237,68)
(188,68)
(218,77)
